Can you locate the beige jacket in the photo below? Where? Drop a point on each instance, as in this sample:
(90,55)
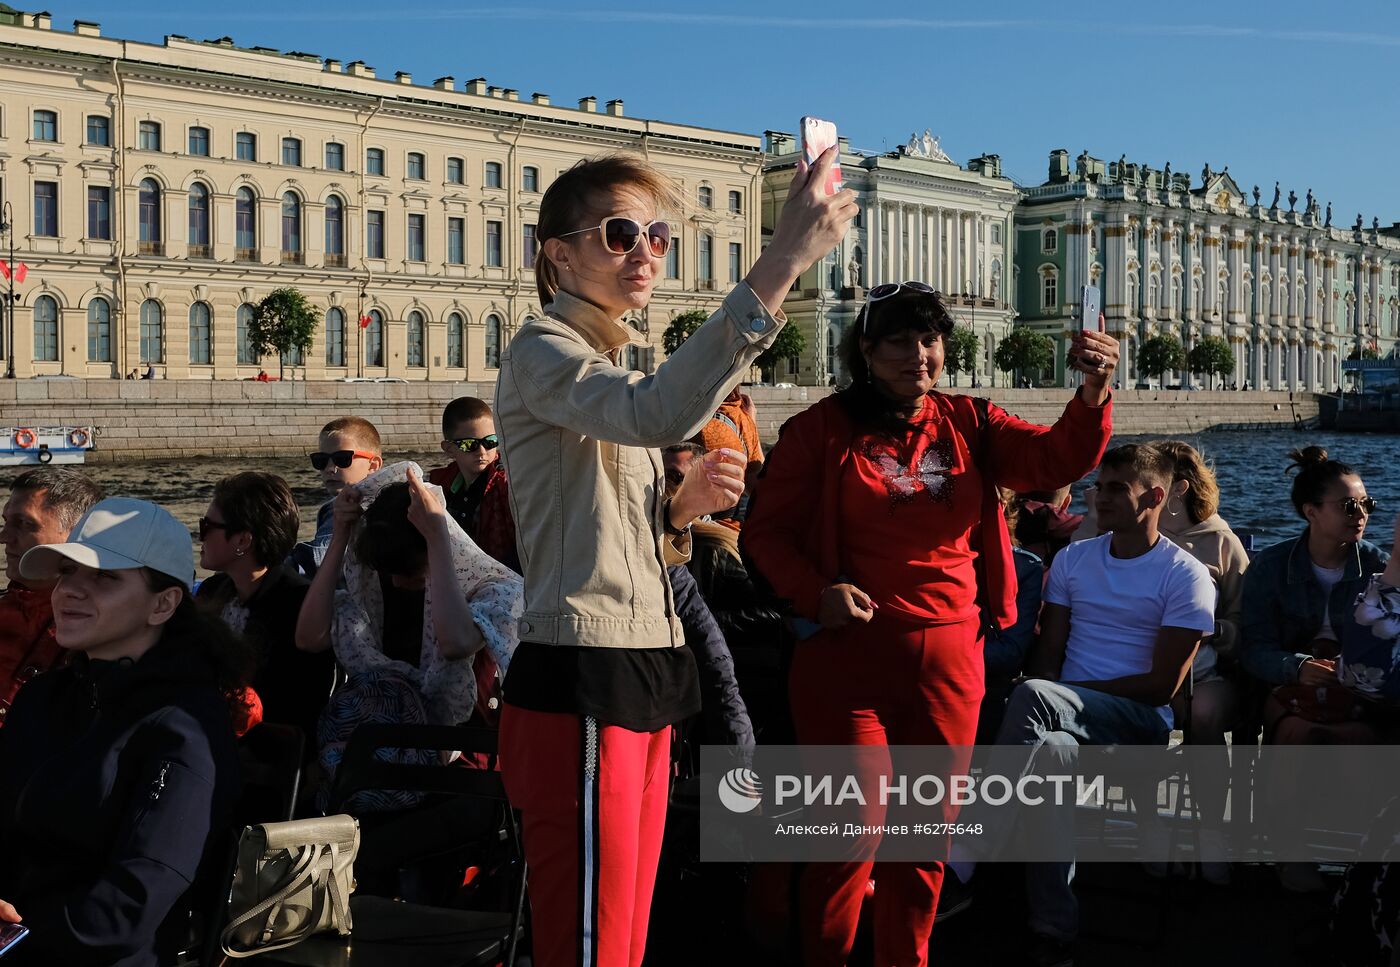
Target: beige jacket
(579,438)
(1213,544)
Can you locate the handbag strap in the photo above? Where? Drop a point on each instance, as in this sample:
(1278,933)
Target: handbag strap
(304,870)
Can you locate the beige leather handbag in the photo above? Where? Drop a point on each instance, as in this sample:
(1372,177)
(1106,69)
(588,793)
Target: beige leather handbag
(293,880)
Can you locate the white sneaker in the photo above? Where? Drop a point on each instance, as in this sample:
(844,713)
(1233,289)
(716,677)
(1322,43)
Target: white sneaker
(1214,858)
(1301,878)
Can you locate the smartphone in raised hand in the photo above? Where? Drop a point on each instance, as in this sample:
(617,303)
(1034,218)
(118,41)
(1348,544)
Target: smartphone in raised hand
(817,137)
(1090,307)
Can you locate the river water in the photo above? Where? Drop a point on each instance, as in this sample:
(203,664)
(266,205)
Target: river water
(1249,465)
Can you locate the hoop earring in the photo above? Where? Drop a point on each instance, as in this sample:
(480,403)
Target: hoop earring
(1173,501)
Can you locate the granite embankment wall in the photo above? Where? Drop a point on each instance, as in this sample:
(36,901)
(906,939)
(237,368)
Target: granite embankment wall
(155,419)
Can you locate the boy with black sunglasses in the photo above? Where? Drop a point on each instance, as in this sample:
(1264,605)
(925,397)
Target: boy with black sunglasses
(478,496)
(348,450)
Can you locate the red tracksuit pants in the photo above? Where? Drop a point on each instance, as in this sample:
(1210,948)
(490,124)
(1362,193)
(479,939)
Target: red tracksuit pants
(593,801)
(888,682)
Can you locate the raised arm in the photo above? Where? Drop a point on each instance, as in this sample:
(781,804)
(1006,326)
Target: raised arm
(567,385)
(456,630)
(313,631)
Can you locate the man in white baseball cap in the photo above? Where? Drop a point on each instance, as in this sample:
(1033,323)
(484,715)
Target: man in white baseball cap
(119,534)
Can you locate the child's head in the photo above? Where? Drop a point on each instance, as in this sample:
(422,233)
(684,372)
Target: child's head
(348,451)
(467,422)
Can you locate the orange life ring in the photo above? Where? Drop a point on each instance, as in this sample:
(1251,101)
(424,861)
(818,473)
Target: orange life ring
(25,438)
(79,438)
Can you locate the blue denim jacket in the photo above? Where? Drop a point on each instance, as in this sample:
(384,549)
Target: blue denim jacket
(1282,607)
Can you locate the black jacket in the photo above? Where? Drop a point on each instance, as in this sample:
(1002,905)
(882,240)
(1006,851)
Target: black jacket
(112,777)
(726,720)
(292,684)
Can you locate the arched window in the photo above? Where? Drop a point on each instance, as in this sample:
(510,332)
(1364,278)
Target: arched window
(454,339)
(149,216)
(246,356)
(530,179)
(291,228)
(335,336)
(245,223)
(99,331)
(493,341)
(415,338)
(199,221)
(1132,293)
(1154,291)
(1050,241)
(374,339)
(335,231)
(45,329)
(199,334)
(1050,290)
(152,332)
(1176,295)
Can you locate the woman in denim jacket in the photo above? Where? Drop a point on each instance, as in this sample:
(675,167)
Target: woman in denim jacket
(1298,595)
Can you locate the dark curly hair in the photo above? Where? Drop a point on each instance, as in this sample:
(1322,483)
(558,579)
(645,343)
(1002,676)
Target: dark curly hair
(1313,472)
(906,310)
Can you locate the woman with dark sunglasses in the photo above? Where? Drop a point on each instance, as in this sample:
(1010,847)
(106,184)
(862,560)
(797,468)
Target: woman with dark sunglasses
(602,671)
(1298,598)
(877,518)
(245,536)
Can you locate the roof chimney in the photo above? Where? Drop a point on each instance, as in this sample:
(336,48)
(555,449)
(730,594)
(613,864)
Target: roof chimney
(359,68)
(333,67)
(403,77)
(445,83)
(43,20)
(477,85)
(588,104)
(512,94)
(87,28)
(615,107)
(539,98)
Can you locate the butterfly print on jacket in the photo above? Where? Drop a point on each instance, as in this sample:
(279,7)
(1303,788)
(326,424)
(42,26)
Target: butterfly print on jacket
(930,475)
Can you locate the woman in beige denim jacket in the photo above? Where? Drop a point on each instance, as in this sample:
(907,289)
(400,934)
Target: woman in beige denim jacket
(602,671)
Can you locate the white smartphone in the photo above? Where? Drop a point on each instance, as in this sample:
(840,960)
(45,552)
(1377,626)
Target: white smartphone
(817,137)
(1090,305)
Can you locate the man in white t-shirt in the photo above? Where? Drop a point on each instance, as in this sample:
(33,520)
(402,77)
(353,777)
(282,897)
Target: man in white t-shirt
(1122,618)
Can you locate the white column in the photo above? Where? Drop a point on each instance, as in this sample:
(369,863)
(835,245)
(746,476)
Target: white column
(936,273)
(874,273)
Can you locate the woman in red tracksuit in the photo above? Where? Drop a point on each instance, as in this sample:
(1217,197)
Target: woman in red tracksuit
(904,479)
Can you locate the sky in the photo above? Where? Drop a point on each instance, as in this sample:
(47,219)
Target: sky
(1299,92)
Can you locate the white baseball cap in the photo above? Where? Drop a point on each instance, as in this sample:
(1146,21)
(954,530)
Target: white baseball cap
(118,534)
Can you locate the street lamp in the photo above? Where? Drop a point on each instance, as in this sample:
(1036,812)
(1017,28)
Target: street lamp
(7,227)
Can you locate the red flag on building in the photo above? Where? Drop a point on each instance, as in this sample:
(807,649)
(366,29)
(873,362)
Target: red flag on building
(21,271)
(364,322)
(5,270)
